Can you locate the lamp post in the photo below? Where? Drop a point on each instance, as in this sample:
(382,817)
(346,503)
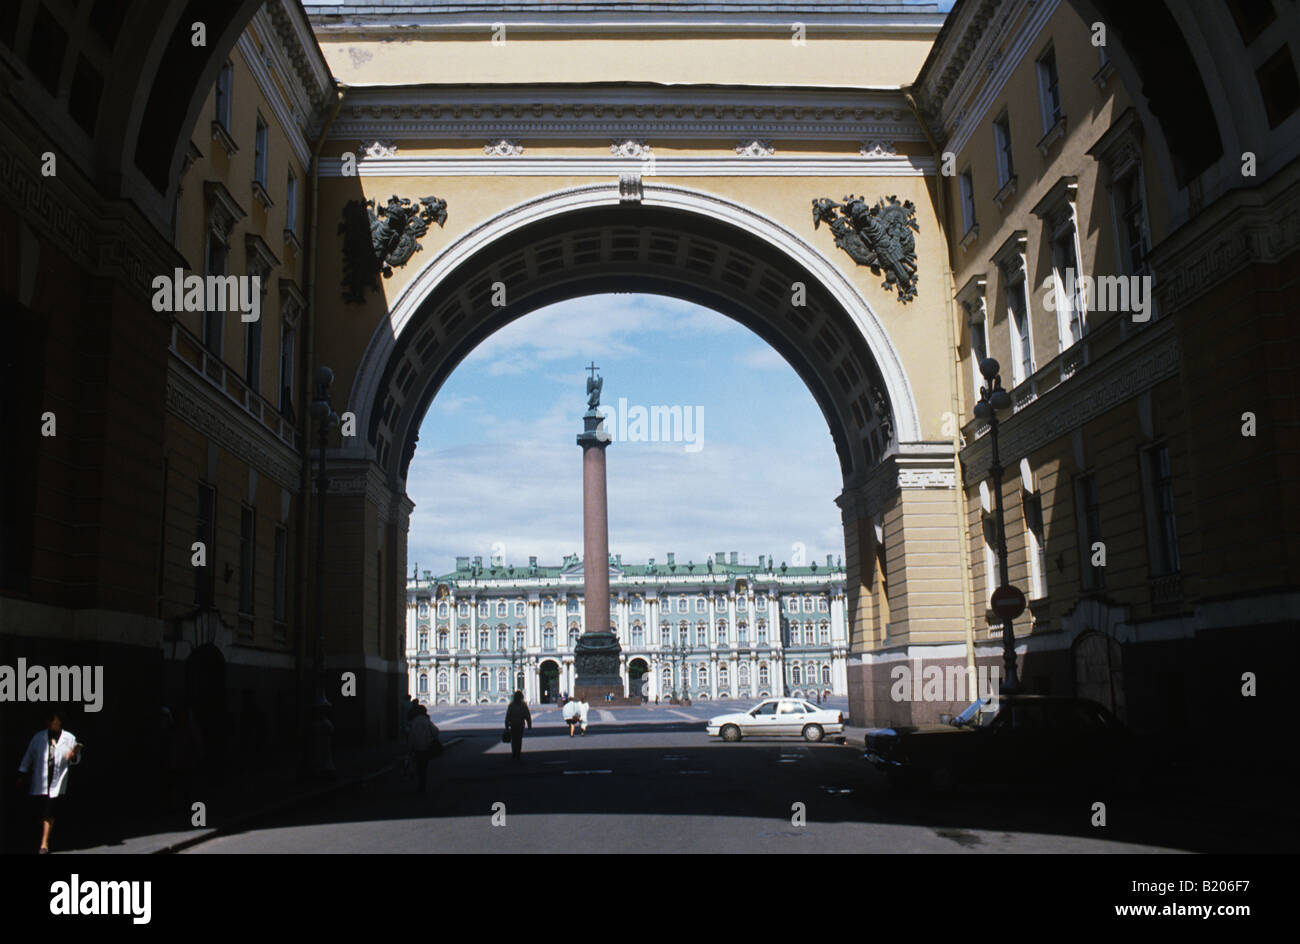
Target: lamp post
(320,756)
(992,399)
(516,657)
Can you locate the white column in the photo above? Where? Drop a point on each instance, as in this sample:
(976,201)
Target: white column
(731,619)
(622,619)
(652,622)
(711,632)
(713,676)
(473,677)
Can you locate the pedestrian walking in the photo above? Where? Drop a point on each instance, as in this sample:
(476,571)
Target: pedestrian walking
(517,716)
(572,714)
(422,740)
(49,755)
(583,708)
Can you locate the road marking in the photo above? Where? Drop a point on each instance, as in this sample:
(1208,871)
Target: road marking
(458,718)
(682,714)
(606,716)
(589,771)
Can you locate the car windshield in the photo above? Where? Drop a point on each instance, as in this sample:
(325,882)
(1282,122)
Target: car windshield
(968,715)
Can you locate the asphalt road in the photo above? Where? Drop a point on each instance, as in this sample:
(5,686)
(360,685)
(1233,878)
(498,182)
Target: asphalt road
(650,780)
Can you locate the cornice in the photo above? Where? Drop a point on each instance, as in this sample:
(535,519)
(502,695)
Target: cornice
(611,165)
(606,111)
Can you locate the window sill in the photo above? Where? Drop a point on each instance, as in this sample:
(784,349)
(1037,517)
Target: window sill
(1005,194)
(1052,135)
(261,196)
(1102,75)
(222,137)
(971,237)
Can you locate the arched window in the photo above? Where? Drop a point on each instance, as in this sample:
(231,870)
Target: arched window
(638,635)
(484,682)
(762,673)
(519,636)
(807,604)
(637,605)
(796,676)
(821,604)
(482,639)
(424,683)
(464,681)
(703,675)
(824,633)
(463,609)
(700,605)
(742,633)
(701,635)
(722,632)
(724,675)
(548,606)
(762,633)
(503,678)
(442,639)
(666,673)
(681,604)
(464,638)
(424,640)
(424,609)
(682,631)
(826,674)
(442,609)
(501,637)
(742,603)
(548,636)
(665,636)
(573,635)
(442,681)
(742,672)
(519,608)
(483,609)
(501,609)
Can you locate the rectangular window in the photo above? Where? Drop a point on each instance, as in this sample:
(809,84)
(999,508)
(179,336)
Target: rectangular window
(967,202)
(225,79)
(1022,342)
(992,578)
(253,354)
(1162,524)
(979,346)
(1035,546)
(1002,150)
(1088,522)
(280,602)
(259,153)
(247,523)
(1069,290)
(291,204)
(204,531)
(1049,90)
(1130,214)
(213,321)
(288,338)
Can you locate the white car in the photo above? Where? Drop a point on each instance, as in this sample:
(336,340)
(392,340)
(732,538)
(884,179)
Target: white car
(778,717)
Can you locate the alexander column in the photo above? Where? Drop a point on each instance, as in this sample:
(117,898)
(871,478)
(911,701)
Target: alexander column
(595,656)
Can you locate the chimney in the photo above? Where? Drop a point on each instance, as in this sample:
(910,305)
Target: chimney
(532,561)
(462,563)
(762,561)
(672,558)
(651,562)
(830,560)
(618,559)
(720,558)
(735,557)
(478,561)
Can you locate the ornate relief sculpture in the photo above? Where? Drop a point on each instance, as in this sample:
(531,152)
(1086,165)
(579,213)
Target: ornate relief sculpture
(878,236)
(378,239)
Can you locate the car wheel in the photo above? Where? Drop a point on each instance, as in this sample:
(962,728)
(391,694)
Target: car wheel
(730,733)
(813,732)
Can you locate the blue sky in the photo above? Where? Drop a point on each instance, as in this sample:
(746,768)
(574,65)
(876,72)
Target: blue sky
(498,466)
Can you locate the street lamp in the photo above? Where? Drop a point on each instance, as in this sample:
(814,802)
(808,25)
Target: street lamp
(992,399)
(320,755)
(677,654)
(516,656)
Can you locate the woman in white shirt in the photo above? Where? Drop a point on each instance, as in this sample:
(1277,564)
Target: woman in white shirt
(49,755)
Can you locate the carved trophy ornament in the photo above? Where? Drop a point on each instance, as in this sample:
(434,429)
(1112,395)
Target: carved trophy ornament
(378,239)
(878,236)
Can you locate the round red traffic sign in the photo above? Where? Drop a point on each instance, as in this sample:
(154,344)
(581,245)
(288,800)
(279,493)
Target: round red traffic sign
(1008,602)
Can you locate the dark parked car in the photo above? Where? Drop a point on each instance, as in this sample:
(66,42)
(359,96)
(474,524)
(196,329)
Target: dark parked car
(1035,739)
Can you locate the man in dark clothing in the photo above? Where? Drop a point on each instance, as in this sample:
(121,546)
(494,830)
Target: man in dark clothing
(517,716)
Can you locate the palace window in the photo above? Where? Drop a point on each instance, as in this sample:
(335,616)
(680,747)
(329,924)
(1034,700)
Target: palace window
(1002,149)
(796,675)
(463,609)
(762,633)
(638,635)
(1049,90)
(742,633)
(824,633)
(1035,545)
(442,639)
(442,610)
(1070,308)
(291,203)
(225,80)
(442,681)
(279,600)
(519,608)
(1022,341)
(519,638)
(822,605)
(573,636)
(548,636)
(762,674)
(1162,526)
(700,605)
(722,632)
(637,605)
(464,638)
(424,683)
(483,609)
(502,609)
(484,681)
(501,637)
(424,610)
(762,602)
(548,606)
(967,187)
(464,682)
(1087,510)
(424,640)
(681,604)
(826,674)
(482,639)
(701,635)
